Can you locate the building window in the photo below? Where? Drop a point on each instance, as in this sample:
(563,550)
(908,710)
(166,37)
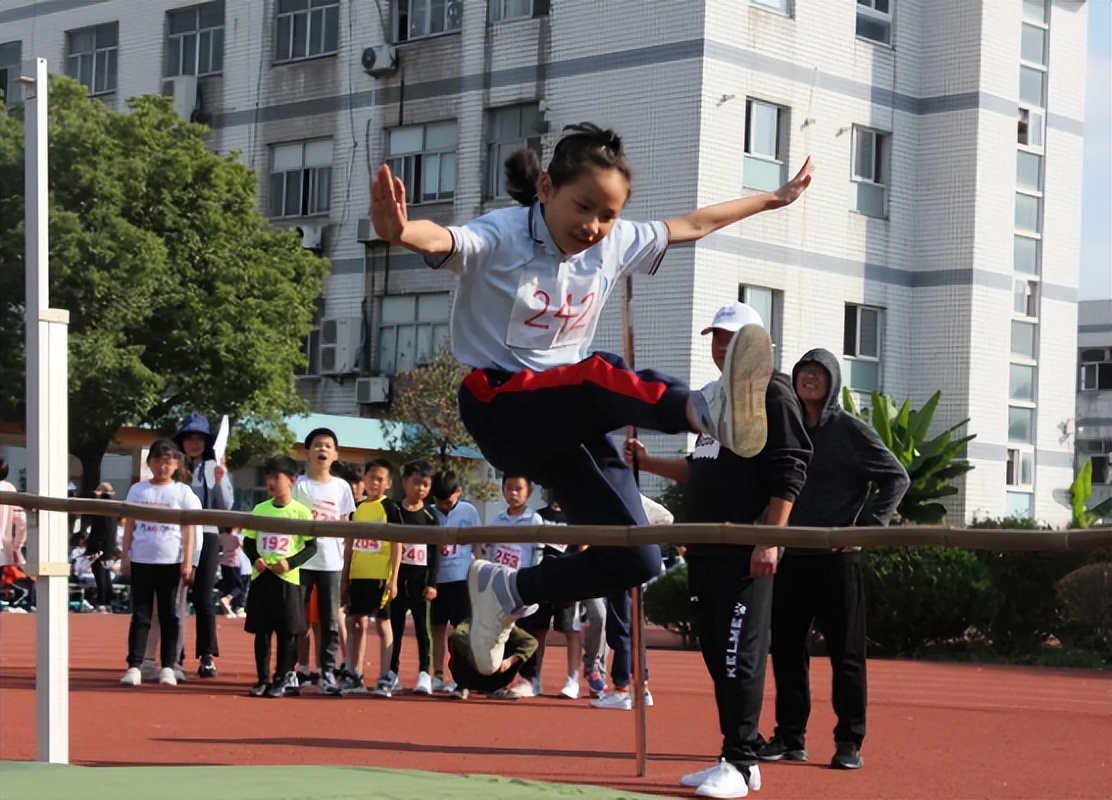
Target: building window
(1021,424)
(311,343)
(1023,340)
(766,145)
(10,66)
(1021,467)
(1028,170)
(509,129)
(1027,208)
(412,328)
(1032,48)
(301,178)
(1025,298)
(424,157)
(783,6)
(1026,254)
(1096,369)
(306,29)
(1021,382)
(1035,11)
(1019,504)
(1032,86)
(862,347)
(1029,130)
(874,20)
(414,19)
(195,40)
(1102,473)
(769,304)
(504,10)
(870,170)
(91,56)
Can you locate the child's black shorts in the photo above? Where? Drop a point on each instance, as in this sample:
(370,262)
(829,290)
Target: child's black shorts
(452,604)
(365,598)
(275,605)
(562,618)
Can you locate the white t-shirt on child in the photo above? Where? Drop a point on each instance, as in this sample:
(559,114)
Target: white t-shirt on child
(159,542)
(328,501)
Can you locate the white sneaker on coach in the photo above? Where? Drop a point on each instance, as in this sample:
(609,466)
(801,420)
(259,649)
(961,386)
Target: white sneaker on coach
(424,683)
(166,677)
(492,613)
(724,780)
(737,406)
(132,677)
(571,688)
(619,700)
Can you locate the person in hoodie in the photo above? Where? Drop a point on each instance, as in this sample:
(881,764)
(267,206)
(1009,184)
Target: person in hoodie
(213,486)
(731,585)
(853,480)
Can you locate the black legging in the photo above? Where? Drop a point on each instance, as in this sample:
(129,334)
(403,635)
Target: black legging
(204,581)
(151,584)
(411,597)
(103,578)
(285,655)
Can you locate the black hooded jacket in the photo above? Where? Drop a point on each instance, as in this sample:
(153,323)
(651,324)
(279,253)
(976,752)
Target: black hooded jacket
(853,478)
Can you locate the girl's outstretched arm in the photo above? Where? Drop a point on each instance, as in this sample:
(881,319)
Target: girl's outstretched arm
(392,223)
(704,221)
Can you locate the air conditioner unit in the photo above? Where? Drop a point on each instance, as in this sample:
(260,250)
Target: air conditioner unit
(380,60)
(365,231)
(372,391)
(183,91)
(340,338)
(312,237)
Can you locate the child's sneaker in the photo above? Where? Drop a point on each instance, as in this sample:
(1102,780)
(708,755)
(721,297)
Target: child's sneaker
(241,613)
(538,689)
(179,673)
(618,700)
(386,684)
(493,612)
(596,681)
(149,671)
(207,668)
(441,685)
(777,749)
(424,683)
(132,677)
(460,694)
(571,688)
(737,407)
(648,698)
(352,683)
(289,687)
(166,677)
(258,690)
(847,756)
(327,684)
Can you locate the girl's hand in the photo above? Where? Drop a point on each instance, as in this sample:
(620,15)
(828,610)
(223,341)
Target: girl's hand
(507,664)
(430,592)
(388,211)
(261,566)
(763,561)
(220,471)
(790,191)
(186,573)
(125,566)
(393,590)
(281,567)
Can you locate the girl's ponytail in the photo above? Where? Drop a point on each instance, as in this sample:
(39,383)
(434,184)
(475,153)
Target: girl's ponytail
(523,168)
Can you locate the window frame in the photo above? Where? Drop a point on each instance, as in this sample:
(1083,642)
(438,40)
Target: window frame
(1087,367)
(397,163)
(1020,464)
(11,70)
(880,169)
(496,11)
(781,136)
(439,331)
(494,180)
(774,325)
(403,19)
(855,356)
(782,7)
(306,193)
(1027,408)
(867,9)
(1031,287)
(197,32)
(310,344)
(1024,358)
(312,7)
(111,56)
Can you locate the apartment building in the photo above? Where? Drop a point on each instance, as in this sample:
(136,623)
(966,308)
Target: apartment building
(937,249)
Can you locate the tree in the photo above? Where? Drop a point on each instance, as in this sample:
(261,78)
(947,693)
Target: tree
(931,464)
(425,402)
(181,297)
(1080,492)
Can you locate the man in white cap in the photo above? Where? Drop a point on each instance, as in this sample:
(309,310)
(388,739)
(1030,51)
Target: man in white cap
(731,585)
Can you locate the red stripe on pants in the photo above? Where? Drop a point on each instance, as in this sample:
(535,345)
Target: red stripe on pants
(595,369)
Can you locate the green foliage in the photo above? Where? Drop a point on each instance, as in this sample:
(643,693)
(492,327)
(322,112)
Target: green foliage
(924,595)
(425,401)
(1085,600)
(1080,492)
(181,297)
(668,604)
(672,499)
(931,464)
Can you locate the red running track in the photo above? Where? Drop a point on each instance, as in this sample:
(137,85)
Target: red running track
(935,730)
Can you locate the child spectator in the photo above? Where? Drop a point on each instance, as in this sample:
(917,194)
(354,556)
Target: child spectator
(233,583)
(416,578)
(370,582)
(451,606)
(520,647)
(157,557)
(275,606)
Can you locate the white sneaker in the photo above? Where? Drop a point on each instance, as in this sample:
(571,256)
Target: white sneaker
(424,683)
(518,691)
(166,677)
(619,700)
(648,698)
(724,780)
(132,677)
(439,685)
(737,407)
(149,671)
(492,613)
(571,689)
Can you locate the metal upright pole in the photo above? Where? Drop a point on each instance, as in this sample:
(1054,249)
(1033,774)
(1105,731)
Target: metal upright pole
(47,368)
(637,615)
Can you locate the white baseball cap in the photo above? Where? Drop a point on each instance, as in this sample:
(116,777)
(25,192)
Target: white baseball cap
(733,318)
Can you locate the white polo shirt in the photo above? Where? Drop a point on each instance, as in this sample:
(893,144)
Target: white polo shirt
(523,304)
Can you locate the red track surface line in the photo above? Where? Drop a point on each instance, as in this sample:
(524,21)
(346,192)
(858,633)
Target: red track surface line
(935,730)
